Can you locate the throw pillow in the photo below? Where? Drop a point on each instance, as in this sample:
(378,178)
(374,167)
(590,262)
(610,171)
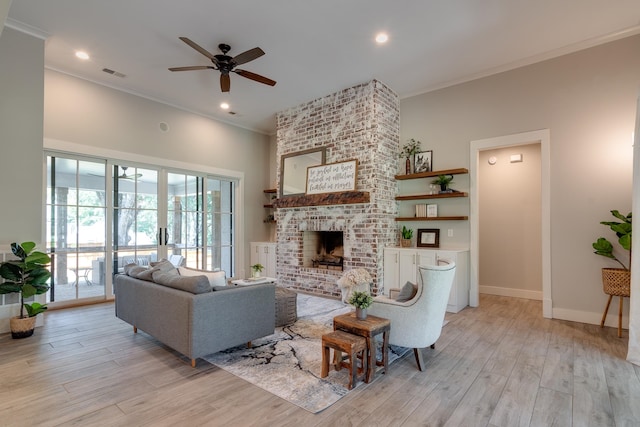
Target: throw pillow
(216,278)
(193,284)
(165,266)
(137,271)
(408,291)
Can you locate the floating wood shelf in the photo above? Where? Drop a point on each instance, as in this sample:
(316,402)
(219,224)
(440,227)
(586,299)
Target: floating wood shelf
(435,218)
(269,206)
(432,196)
(271,190)
(457,171)
(324,199)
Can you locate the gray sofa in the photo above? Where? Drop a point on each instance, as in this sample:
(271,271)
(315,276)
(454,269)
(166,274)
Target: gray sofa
(196,324)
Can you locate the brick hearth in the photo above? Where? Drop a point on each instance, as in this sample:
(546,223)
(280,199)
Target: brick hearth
(362,122)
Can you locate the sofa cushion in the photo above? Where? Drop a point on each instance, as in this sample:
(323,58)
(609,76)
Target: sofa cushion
(133,269)
(193,284)
(408,291)
(216,278)
(165,266)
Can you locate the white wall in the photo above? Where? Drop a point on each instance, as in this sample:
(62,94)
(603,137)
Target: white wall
(510,223)
(4,11)
(21,115)
(587,100)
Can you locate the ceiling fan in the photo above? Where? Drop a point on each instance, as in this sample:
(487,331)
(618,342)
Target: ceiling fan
(226,64)
(125,176)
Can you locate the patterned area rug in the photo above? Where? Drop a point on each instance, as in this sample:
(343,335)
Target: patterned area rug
(288,362)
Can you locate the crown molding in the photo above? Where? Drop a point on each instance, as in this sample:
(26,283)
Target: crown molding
(27,29)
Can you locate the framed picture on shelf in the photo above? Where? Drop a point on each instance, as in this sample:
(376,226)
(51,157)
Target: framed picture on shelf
(423,161)
(432,211)
(428,238)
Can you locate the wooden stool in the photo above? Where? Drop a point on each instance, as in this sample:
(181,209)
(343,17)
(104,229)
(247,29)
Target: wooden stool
(353,345)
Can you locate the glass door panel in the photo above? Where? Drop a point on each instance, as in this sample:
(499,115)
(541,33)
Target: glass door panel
(135,216)
(76,227)
(185,218)
(220,225)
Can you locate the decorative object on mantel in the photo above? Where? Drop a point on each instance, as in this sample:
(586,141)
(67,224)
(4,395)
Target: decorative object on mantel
(408,151)
(616,281)
(357,279)
(27,276)
(407,234)
(444,181)
(332,178)
(256,269)
(361,301)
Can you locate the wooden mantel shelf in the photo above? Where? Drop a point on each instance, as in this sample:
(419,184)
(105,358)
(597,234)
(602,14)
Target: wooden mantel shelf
(342,198)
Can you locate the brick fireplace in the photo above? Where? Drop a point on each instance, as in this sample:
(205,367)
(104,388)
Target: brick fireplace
(363,123)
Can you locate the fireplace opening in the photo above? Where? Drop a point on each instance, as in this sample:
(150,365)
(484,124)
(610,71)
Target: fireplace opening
(323,249)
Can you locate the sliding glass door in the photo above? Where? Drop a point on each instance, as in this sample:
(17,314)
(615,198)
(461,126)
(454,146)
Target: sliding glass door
(102,215)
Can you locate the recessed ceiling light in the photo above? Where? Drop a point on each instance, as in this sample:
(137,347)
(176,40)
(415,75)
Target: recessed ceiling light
(382,38)
(82,54)
(224,106)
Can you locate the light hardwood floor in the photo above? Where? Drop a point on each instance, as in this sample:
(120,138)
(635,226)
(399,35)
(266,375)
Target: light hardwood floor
(501,364)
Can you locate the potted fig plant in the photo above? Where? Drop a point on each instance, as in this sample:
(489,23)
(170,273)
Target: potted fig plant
(361,301)
(407,234)
(256,269)
(616,281)
(27,276)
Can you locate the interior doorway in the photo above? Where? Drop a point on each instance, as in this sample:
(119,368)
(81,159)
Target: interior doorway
(541,137)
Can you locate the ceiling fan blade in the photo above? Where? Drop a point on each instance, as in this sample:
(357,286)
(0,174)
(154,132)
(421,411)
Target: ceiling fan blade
(193,67)
(247,56)
(197,47)
(255,77)
(225,82)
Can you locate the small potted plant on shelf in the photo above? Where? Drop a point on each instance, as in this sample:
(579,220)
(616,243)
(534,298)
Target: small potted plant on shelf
(407,234)
(256,269)
(443,181)
(27,276)
(408,151)
(361,301)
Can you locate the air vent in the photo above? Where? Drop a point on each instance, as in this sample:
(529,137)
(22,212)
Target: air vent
(115,73)
(233,113)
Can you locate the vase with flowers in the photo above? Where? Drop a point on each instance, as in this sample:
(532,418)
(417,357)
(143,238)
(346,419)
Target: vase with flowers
(361,301)
(357,279)
(408,151)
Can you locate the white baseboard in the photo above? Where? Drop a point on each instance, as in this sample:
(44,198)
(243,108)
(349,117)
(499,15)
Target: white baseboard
(591,318)
(511,292)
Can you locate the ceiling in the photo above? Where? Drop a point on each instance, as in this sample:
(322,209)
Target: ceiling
(312,49)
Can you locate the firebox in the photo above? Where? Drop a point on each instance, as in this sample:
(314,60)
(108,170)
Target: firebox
(323,249)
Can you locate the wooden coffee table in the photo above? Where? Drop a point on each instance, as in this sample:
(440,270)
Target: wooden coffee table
(368,328)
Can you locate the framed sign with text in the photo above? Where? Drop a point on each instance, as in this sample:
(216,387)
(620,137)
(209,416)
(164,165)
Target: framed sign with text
(332,177)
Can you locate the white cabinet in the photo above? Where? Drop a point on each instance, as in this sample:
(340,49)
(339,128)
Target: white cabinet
(264,253)
(401,265)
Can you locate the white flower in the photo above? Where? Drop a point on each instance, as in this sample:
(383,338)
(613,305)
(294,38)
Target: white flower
(351,278)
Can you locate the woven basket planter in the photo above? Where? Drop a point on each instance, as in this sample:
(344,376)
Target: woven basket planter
(22,328)
(616,281)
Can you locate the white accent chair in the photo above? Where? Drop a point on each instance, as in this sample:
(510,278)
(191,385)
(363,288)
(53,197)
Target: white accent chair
(417,323)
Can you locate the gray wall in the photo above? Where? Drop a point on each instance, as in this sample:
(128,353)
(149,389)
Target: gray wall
(21,118)
(588,101)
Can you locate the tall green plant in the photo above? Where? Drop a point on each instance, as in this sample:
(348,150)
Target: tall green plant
(26,275)
(623,231)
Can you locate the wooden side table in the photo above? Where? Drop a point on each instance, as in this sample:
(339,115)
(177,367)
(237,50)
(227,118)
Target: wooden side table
(367,328)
